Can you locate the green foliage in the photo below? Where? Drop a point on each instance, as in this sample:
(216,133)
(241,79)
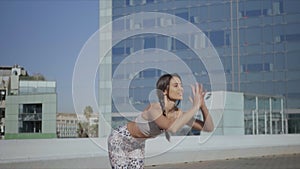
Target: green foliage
(85,129)
(88,111)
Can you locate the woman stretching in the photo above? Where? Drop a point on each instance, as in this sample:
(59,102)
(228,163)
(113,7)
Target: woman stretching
(126,144)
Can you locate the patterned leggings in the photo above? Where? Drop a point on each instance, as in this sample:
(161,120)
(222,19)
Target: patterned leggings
(125,151)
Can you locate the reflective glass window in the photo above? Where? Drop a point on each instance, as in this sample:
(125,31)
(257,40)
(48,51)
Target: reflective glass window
(30,118)
(149,42)
(293,86)
(217,38)
(292,6)
(184,15)
(293,61)
(292,37)
(117,50)
(218,12)
(254,35)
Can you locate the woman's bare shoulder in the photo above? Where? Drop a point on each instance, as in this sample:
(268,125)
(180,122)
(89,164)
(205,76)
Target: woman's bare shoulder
(153,106)
(153,110)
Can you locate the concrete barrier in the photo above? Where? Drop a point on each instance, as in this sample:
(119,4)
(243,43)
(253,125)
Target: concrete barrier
(91,153)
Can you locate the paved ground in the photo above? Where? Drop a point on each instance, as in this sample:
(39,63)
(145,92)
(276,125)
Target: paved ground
(291,161)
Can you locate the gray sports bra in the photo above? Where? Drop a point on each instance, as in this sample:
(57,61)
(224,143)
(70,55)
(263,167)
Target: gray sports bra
(148,128)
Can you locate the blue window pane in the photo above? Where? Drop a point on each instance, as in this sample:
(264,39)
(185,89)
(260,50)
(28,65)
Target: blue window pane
(227,36)
(118,4)
(267,67)
(183,15)
(127,2)
(217,38)
(149,73)
(253,13)
(149,42)
(118,51)
(179,45)
(266,12)
(128,51)
(149,1)
(292,38)
(257,67)
(291,6)
(192,19)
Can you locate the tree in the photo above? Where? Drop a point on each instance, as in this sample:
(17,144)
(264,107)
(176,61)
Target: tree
(85,128)
(93,132)
(88,111)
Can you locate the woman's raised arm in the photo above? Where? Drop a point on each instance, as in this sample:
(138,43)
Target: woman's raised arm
(173,125)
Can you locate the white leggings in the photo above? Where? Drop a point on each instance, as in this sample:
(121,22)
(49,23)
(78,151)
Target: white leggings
(124,150)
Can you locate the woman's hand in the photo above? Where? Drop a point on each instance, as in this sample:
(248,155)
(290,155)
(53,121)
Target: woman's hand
(198,96)
(202,94)
(198,101)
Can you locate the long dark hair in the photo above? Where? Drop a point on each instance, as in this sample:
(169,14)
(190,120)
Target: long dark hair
(163,84)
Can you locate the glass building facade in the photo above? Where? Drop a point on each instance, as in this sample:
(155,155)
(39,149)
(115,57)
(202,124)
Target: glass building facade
(264,114)
(257,41)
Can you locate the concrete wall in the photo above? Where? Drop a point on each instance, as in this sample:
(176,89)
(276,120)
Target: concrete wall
(227,111)
(48,115)
(91,153)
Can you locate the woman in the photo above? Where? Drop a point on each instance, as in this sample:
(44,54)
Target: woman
(126,145)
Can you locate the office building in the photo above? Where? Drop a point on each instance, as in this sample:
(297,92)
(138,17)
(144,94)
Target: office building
(67,125)
(257,42)
(28,105)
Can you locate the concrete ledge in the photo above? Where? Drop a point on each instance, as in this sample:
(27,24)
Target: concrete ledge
(223,147)
(91,153)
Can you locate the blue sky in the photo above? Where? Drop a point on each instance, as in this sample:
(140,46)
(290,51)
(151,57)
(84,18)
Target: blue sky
(46,36)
